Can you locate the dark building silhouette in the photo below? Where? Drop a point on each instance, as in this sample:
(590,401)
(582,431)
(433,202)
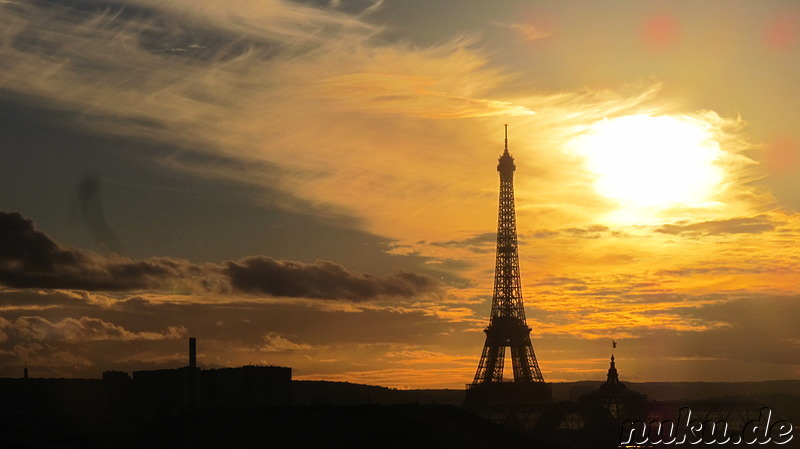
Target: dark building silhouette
(507,325)
(168,392)
(593,421)
(121,411)
(192,352)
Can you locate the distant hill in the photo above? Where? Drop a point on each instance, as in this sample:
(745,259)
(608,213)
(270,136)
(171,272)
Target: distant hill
(782,395)
(674,391)
(317,391)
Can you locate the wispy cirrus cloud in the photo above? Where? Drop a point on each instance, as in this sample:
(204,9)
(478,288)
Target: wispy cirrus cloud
(529,32)
(239,90)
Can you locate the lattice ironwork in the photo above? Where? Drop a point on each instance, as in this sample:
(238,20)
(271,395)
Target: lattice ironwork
(507,326)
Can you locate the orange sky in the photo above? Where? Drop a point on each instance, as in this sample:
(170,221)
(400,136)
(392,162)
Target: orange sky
(656,189)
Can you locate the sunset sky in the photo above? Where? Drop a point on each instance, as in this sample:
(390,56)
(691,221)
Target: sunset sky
(313,184)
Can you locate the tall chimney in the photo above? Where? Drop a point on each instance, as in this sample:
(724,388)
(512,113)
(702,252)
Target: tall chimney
(192,352)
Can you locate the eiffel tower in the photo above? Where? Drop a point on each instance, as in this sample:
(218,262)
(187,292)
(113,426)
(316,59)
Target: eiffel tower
(507,326)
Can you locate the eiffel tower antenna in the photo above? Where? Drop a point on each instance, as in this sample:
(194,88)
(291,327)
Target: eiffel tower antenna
(507,325)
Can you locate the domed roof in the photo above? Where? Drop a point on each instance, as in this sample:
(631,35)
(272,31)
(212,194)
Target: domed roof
(612,395)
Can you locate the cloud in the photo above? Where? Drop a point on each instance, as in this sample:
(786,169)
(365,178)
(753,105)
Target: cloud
(23,247)
(296,102)
(478,243)
(321,279)
(29,258)
(275,343)
(4,324)
(344,339)
(203,78)
(46,359)
(412,96)
(589,232)
(743,225)
(190,73)
(84,329)
(12,300)
(719,271)
(529,32)
(146,331)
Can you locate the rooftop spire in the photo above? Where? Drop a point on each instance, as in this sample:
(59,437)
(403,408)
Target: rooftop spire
(506,138)
(613,377)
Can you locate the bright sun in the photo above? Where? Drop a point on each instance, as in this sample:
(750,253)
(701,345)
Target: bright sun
(652,163)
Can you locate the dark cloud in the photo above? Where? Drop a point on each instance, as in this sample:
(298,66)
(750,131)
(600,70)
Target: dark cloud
(321,279)
(30,259)
(760,339)
(44,359)
(479,243)
(24,248)
(744,225)
(37,328)
(42,299)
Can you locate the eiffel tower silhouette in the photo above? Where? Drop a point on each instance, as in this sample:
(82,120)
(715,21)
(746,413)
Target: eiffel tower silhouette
(507,326)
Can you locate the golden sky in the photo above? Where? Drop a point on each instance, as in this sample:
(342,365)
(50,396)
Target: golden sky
(313,184)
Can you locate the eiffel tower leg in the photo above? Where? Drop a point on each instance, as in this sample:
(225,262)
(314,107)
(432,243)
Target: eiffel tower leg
(522,370)
(490,368)
(526,368)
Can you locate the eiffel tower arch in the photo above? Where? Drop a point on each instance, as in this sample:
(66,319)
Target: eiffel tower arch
(507,325)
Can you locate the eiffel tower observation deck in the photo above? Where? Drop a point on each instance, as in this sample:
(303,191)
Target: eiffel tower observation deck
(507,325)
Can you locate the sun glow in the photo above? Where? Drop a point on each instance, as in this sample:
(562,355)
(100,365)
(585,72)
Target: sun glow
(649,164)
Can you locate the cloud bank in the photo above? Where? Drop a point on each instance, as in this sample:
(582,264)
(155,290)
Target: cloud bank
(30,259)
(36,328)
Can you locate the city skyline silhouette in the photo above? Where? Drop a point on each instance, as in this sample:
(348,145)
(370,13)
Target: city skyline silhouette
(193,407)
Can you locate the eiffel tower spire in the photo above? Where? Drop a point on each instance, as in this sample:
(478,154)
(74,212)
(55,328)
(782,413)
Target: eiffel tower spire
(507,325)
